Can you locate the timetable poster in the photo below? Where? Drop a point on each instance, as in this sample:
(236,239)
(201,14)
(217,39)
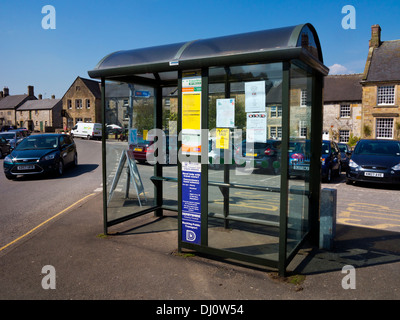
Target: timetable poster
(191,202)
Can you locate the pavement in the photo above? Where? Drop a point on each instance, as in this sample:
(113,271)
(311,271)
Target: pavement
(142,263)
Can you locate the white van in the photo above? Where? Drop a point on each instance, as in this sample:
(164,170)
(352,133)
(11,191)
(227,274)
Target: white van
(87,130)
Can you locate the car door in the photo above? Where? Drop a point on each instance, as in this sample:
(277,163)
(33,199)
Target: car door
(66,150)
(335,156)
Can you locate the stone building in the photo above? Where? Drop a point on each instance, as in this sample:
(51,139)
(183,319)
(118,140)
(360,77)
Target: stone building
(342,107)
(381,88)
(9,104)
(42,115)
(81,102)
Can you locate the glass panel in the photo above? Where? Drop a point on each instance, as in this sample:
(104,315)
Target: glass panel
(123,197)
(244,151)
(299,155)
(170,128)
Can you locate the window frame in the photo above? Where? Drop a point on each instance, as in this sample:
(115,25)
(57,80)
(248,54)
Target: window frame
(383,97)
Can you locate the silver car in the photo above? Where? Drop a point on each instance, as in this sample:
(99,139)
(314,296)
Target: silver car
(13,137)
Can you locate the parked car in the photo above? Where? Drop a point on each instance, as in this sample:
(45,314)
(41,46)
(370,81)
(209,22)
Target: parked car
(331,160)
(24,131)
(375,161)
(299,159)
(142,148)
(5,147)
(13,137)
(345,154)
(40,154)
(264,155)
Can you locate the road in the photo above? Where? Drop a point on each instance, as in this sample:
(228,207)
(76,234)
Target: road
(367,205)
(28,201)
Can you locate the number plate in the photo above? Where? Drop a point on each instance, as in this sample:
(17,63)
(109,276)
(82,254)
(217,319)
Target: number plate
(138,149)
(373,174)
(305,168)
(26,167)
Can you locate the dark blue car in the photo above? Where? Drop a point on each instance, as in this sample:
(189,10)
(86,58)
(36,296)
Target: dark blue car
(375,161)
(331,160)
(299,159)
(40,154)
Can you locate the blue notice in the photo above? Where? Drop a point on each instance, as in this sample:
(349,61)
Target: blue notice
(191,202)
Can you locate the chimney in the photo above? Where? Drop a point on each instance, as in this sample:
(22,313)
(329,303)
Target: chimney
(375,41)
(40,96)
(6,92)
(1,94)
(30,91)
(53,96)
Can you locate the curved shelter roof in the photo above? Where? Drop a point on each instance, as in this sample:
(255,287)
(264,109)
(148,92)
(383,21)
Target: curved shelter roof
(295,42)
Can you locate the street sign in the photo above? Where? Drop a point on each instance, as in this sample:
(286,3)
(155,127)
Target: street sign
(142,94)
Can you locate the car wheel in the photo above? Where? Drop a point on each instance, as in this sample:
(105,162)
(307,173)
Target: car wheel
(10,176)
(75,159)
(60,168)
(88,137)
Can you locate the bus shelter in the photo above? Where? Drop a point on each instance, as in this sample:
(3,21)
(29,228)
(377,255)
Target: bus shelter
(224,131)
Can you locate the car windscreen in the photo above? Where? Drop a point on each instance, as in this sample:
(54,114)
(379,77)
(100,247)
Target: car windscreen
(379,148)
(342,148)
(8,135)
(32,143)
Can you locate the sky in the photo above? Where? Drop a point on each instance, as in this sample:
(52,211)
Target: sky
(85,31)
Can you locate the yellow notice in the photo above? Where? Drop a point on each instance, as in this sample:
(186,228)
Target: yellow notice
(191,103)
(222,136)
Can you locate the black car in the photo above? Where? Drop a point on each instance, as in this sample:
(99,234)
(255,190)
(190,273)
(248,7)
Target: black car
(375,161)
(345,154)
(5,147)
(39,154)
(263,155)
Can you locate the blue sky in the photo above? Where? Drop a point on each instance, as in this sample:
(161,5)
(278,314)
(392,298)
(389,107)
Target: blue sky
(87,30)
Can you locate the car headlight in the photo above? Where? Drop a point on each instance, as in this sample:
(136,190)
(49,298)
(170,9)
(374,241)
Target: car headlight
(49,157)
(396,167)
(352,164)
(8,159)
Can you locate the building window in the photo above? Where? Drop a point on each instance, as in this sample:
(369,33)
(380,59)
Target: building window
(386,95)
(87,104)
(276,112)
(384,128)
(69,104)
(345,111)
(303,100)
(275,132)
(87,120)
(78,120)
(126,103)
(302,129)
(78,104)
(344,135)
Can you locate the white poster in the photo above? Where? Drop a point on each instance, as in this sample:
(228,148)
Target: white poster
(225,113)
(256,127)
(255,96)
